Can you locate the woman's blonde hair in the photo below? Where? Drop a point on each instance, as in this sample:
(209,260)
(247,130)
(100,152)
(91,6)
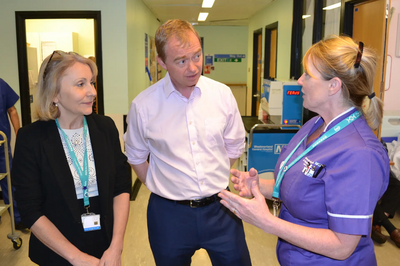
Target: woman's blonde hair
(49,81)
(337,57)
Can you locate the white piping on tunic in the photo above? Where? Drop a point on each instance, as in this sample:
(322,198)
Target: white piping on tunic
(348,110)
(350,216)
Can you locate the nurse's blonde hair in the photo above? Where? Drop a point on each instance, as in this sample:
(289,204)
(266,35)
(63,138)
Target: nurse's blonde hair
(337,57)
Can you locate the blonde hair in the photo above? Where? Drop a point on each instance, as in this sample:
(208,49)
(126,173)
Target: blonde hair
(336,57)
(174,27)
(49,81)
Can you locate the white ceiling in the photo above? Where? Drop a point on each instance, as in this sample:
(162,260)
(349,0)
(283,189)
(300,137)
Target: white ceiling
(223,13)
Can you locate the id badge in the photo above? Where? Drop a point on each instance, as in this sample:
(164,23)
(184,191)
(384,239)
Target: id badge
(90,222)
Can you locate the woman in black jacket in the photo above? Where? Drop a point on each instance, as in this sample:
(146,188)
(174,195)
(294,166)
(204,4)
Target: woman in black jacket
(72,180)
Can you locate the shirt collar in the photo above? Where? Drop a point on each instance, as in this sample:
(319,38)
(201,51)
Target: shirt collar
(336,120)
(169,87)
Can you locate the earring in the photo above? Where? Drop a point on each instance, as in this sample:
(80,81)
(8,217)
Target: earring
(55,104)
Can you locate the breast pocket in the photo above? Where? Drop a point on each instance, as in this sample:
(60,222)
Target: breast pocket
(215,131)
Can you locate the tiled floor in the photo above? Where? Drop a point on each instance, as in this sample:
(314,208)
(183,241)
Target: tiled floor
(137,250)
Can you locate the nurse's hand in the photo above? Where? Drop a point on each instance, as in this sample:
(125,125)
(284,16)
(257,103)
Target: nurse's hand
(242,181)
(254,211)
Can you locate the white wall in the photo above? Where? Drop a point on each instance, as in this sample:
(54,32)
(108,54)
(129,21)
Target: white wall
(278,11)
(226,40)
(114,40)
(392,90)
(139,21)
(83,28)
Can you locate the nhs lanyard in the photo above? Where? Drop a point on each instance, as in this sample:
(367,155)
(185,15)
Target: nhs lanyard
(83,173)
(283,168)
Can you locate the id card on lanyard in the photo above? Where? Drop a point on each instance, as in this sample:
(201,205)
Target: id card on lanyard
(90,221)
(284,168)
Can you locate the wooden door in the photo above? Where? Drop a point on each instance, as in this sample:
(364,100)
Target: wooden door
(369,26)
(272,62)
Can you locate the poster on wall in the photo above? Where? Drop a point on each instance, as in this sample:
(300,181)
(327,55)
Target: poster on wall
(207,69)
(153,60)
(146,53)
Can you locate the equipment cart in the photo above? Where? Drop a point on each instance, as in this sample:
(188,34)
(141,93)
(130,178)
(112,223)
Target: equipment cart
(14,236)
(263,145)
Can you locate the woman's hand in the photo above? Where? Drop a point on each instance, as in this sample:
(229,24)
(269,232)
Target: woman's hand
(242,181)
(253,211)
(111,257)
(85,260)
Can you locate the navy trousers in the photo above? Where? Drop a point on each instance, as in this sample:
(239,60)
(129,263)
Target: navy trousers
(176,231)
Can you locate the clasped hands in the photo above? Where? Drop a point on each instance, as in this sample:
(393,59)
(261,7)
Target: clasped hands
(250,205)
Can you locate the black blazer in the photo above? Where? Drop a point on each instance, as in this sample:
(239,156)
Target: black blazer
(44,183)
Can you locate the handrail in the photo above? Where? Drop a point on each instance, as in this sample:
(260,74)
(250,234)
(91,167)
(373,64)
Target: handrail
(267,126)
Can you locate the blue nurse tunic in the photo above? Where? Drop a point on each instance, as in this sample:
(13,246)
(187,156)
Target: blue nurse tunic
(335,186)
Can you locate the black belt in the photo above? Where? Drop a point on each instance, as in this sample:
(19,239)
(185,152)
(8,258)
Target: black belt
(199,202)
(196,203)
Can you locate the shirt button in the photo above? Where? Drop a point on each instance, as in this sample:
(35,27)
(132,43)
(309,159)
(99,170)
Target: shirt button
(197,163)
(193,143)
(190,122)
(201,183)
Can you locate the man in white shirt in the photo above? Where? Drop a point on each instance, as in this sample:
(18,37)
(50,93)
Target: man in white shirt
(191,128)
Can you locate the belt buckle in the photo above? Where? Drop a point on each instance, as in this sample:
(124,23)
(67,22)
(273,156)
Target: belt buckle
(191,203)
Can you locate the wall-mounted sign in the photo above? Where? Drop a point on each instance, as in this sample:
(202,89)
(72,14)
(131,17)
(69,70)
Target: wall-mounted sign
(229,56)
(235,60)
(208,60)
(207,69)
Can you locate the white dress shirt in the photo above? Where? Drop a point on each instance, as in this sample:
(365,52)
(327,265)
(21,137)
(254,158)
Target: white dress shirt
(190,140)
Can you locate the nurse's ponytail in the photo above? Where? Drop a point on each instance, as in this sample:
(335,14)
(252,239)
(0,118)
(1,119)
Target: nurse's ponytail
(355,65)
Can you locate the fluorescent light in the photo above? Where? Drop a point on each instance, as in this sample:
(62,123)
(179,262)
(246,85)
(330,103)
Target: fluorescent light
(202,16)
(207,3)
(306,16)
(332,6)
(194,23)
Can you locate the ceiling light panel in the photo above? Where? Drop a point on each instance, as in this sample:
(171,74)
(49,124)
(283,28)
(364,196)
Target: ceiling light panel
(337,5)
(207,3)
(202,16)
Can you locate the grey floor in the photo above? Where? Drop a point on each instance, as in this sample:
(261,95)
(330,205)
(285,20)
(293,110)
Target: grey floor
(137,250)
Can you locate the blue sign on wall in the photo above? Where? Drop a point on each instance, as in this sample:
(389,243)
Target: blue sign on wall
(208,60)
(230,56)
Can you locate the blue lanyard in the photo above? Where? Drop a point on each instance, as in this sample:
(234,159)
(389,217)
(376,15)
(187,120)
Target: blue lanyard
(83,173)
(283,168)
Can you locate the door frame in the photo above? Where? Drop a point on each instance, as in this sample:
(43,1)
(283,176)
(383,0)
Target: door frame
(346,16)
(20,17)
(297,39)
(256,33)
(267,49)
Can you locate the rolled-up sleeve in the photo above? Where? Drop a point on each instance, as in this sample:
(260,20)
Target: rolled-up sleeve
(234,134)
(136,146)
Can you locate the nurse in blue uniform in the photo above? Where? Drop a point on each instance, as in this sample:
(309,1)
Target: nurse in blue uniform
(331,174)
